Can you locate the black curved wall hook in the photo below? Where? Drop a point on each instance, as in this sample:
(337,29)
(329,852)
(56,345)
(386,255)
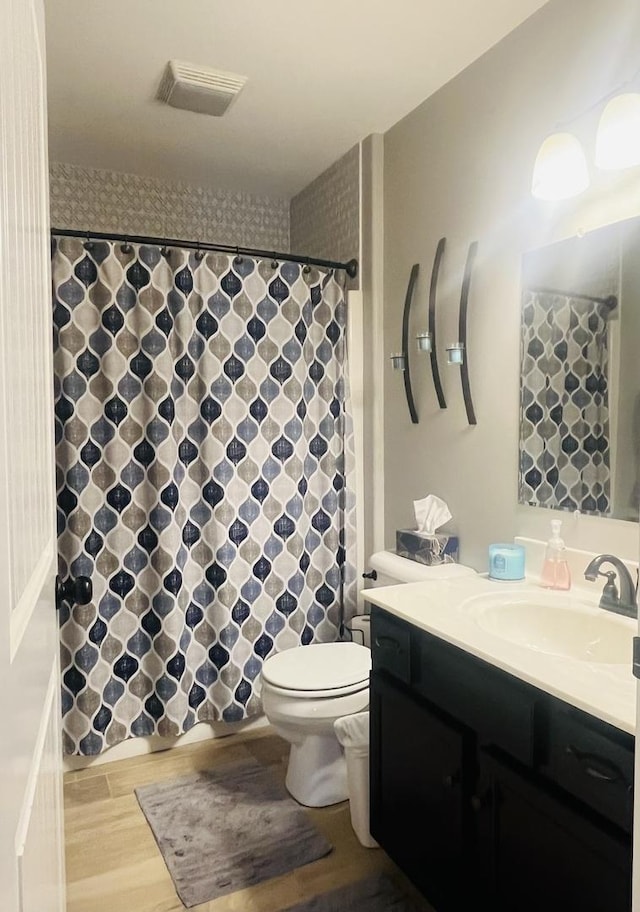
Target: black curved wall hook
(405,342)
(462,332)
(433,357)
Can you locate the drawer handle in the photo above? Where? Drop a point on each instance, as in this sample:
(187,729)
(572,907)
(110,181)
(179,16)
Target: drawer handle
(596,767)
(386,642)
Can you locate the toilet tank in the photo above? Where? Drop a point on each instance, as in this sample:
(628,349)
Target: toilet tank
(390,569)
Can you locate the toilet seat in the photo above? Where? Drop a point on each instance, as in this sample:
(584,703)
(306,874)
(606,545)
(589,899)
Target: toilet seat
(322,670)
(317,694)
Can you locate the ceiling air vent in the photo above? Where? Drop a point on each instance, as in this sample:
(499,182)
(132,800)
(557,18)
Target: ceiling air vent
(200,89)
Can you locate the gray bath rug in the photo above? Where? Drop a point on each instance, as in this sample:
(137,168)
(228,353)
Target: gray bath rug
(376,894)
(222,830)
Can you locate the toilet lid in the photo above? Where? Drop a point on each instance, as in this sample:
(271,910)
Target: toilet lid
(322,666)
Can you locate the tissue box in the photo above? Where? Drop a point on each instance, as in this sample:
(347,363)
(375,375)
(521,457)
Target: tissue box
(438,549)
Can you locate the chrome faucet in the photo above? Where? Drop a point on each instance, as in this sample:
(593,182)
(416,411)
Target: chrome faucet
(625,602)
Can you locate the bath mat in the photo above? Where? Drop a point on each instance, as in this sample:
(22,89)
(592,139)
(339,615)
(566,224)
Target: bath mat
(376,894)
(228,828)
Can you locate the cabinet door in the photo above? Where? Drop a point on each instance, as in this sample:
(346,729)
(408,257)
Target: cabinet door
(547,855)
(416,791)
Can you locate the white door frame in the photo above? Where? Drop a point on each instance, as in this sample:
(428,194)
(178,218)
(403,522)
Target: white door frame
(31,827)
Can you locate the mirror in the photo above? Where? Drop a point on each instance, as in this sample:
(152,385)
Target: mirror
(579,443)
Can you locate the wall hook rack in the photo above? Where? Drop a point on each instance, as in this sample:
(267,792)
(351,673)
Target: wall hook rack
(432,323)
(401,361)
(462,332)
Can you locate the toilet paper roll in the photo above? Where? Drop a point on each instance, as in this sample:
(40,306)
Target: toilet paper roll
(361,628)
(392,569)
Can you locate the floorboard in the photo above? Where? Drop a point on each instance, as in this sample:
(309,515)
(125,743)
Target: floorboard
(114,864)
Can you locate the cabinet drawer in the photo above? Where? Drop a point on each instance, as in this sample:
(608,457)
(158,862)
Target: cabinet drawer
(593,762)
(390,645)
(501,709)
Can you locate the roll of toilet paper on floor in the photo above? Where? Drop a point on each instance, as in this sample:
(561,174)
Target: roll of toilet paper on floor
(391,569)
(361,629)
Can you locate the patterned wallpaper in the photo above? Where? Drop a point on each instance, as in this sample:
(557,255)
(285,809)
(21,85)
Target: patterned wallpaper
(325,216)
(109,201)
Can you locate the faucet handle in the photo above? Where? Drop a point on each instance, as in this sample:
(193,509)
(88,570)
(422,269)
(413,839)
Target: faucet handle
(619,594)
(610,597)
(610,590)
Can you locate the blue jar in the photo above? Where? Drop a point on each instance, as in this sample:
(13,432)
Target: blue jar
(506,562)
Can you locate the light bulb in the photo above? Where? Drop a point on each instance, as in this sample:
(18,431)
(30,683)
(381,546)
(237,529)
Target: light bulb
(423,341)
(398,361)
(618,136)
(560,170)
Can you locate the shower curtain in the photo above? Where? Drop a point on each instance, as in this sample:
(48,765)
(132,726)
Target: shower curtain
(203,471)
(564,404)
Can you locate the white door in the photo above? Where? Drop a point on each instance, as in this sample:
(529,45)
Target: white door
(635,905)
(31,849)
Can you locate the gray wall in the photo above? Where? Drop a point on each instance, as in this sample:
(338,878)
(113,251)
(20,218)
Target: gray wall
(460,166)
(95,200)
(325,216)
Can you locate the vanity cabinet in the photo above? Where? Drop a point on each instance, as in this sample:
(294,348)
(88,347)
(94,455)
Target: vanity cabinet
(489,793)
(419,764)
(543,854)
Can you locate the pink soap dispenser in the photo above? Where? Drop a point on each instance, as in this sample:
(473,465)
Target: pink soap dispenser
(555,569)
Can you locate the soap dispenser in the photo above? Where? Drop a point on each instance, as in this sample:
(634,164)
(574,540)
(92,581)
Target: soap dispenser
(555,569)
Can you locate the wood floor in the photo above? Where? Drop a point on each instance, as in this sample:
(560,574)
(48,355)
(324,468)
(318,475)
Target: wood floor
(113,862)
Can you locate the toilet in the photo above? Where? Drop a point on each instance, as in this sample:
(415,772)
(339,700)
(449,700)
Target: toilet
(306,688)
(304,691)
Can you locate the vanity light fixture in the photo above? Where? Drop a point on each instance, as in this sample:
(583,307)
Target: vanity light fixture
(424,341)
(618,136)
(560,169)
(455,353)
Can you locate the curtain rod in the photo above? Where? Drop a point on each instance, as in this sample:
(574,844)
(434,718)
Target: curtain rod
(351,267)
(610,301)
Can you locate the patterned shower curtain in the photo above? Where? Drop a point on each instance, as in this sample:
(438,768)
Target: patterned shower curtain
(564,404)
(203,459)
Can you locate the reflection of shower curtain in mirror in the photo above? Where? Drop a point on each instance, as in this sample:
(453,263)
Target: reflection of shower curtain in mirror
(564,404)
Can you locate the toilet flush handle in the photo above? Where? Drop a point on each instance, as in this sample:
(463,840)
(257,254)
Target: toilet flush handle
(372,575)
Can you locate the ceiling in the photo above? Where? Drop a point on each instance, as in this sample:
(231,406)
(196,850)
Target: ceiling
(322,75)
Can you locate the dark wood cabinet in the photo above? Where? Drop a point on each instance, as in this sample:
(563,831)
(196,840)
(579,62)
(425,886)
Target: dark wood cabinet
(545,853)
(419,764)
(489,793)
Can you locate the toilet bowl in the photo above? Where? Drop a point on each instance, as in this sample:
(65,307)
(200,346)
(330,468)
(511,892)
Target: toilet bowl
(304,691)
(306,688)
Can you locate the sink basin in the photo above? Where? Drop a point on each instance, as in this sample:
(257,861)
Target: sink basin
(555,625)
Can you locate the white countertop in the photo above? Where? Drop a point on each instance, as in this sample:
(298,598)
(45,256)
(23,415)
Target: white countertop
(606,691)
